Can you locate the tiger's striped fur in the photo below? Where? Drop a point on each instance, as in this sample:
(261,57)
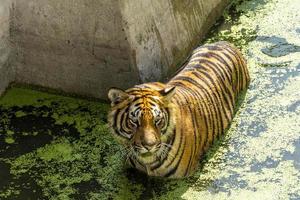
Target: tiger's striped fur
(168,127)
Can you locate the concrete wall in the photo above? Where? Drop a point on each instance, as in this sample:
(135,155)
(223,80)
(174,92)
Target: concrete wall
(163,33)
(88,46)
(6,70)
(73,45)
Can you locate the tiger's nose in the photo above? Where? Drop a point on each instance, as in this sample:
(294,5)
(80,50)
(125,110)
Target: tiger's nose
(149,141)
(148,146)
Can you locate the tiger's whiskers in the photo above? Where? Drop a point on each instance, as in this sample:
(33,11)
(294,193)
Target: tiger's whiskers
(166,151)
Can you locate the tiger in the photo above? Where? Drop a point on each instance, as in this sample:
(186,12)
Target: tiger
(167,128)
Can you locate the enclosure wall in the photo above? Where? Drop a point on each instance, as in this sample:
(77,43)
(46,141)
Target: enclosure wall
(6,70)
(88,46)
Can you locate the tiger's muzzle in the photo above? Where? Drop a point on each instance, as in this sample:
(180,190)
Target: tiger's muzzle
(146,139)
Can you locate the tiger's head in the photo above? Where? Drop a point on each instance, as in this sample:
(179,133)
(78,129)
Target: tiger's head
(142,120)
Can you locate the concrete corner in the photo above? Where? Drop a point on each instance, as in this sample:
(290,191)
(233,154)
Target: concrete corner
(86,47)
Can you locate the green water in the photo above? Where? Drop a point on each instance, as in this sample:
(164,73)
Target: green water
(57,147)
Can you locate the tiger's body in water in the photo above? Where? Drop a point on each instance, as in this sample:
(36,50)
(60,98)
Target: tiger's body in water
(167,128)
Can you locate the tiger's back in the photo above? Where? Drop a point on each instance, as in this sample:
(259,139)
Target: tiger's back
(207,89)
(200,110)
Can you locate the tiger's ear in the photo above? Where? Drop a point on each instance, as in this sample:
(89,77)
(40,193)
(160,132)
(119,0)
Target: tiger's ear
(116,95)
(168,93)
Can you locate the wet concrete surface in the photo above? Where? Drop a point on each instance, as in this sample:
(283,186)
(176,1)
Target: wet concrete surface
(56,147)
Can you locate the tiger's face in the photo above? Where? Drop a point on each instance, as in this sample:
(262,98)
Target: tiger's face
(140,119)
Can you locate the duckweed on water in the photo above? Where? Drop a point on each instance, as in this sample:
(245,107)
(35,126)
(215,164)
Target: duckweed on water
(9,140)
(79,156)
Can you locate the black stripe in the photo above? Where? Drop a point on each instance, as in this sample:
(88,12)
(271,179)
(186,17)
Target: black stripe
(224,62)
(152,104)
(123,120)
(170,141)
(218,96)
(115,125)
(211,100)
(131,162)
(208,118)
(137,104)
(214,113)
(236,68)
(225,86)
(234,54)
(116,113)
(195,124)
(216,70)
(217,91)
(242,69)
(171,172)
(181,138)
(152,99)
(204,60)
(223,83)
(174,169)
(166,120)
(213,47)
(218,118)
(216,56)
(218,73)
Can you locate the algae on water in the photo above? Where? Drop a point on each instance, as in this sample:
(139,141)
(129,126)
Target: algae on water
(66,151)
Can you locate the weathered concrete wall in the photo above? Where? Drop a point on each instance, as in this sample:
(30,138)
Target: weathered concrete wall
(88,46)
(6,71)
(162,33)
(74,45)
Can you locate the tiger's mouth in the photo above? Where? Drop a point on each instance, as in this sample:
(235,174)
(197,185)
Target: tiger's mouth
(147,157)
(156,154)
(144,151)
(147,154)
